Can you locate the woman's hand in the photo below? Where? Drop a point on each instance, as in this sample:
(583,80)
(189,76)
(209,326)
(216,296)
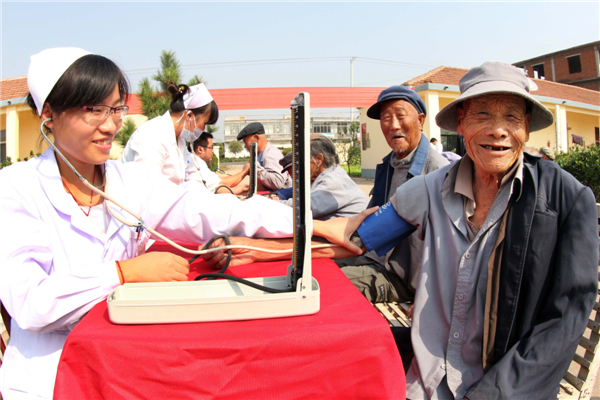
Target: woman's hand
(339,230)
(155,267)
(240,189)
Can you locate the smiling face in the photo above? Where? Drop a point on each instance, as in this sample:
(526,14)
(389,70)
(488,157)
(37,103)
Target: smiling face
(84,141)
(495,128)
(401,125)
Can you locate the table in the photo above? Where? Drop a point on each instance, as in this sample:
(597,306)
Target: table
(344,351)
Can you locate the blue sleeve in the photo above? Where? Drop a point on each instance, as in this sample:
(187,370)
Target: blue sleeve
(285,194)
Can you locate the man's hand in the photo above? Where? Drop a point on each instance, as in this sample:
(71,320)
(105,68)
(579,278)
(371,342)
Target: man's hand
(246,169)
(339,230)
(155,267)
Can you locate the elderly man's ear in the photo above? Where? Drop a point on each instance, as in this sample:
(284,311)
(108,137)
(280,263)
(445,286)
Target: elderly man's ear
(460,115)
(527,118)
(421,120)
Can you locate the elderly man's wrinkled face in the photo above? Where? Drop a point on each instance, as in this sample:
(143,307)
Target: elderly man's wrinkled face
(401,125)
(495,128)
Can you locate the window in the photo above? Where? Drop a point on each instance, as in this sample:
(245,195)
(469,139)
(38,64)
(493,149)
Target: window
(574,64)
(597,136)
(2,145)
(538,71)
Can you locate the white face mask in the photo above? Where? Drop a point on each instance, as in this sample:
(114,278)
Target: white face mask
(188,135)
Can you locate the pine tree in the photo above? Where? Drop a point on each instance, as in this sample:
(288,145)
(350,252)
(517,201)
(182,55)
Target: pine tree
(157,101)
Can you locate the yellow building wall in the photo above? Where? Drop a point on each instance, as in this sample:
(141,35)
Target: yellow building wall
(30,138)
(378,145)
(578,123)
(582,125)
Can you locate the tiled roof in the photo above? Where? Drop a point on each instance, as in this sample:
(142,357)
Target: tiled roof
(443,75)
(12,88)
(451,76)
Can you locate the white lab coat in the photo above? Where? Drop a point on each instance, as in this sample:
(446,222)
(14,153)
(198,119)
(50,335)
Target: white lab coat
(210,179)
(154,144)
(54,266)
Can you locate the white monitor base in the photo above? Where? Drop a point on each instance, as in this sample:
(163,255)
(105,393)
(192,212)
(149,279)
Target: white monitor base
(201,301)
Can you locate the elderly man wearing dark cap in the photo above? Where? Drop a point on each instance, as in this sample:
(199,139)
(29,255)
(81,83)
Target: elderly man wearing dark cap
(393,277)
(509,271)
(270,176)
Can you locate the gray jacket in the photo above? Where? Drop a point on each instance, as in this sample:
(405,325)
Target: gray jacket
(269,171)
(405,258)
(334,194)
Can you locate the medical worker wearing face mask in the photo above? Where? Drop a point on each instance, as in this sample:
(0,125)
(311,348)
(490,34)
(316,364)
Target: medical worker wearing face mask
(160,144)
(61,251)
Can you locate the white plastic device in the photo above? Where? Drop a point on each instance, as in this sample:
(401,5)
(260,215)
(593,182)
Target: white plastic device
(224,300)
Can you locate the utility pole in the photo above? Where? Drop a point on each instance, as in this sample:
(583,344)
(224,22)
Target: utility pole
(352,84)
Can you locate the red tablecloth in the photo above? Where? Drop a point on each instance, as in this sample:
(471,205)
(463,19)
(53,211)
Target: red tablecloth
(344,351)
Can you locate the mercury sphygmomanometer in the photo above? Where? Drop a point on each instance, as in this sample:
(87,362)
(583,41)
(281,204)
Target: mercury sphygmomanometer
(296,293)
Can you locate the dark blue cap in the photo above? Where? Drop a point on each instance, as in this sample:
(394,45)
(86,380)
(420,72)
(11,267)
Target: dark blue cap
(397,92)
(255,128)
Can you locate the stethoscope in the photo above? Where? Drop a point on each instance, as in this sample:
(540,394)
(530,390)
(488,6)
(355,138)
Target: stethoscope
(139,224)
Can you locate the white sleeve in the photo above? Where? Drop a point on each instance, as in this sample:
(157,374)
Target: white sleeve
(144,147)
(40,295)
(191,214)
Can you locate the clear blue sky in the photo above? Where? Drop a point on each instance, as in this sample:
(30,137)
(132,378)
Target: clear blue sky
(416,36)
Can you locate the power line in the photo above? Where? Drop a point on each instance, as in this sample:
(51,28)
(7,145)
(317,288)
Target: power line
(241,63)
(247,62)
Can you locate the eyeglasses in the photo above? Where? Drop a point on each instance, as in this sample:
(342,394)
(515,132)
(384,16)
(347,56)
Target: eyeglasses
(102,113)
(208,147)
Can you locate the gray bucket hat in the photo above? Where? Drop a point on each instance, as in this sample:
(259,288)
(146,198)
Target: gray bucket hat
(495,77)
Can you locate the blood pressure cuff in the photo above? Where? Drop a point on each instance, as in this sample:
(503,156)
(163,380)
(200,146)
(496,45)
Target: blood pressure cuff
(285,194)
(383,230)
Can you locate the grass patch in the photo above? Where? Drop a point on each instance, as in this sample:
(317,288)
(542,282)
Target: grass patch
(355,170)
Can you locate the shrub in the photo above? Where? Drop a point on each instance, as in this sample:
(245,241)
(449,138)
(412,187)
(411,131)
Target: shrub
(584,164)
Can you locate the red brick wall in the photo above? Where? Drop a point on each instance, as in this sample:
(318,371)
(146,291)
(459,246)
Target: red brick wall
(588,66)
(561,67)
(593,85)
(547,69)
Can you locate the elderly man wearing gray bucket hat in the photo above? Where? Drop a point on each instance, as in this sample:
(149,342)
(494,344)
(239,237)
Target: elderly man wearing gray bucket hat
(509,270)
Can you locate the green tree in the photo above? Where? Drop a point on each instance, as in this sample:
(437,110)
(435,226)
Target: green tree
(584,164)
(127,129)
(156,101)
(349,152)
(215,158)
(235,147)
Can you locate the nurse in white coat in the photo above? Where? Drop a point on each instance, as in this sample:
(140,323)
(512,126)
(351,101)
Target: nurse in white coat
(160,144)
(61,252)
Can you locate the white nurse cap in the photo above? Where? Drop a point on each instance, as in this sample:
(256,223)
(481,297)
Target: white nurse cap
(46,68)
(198,96)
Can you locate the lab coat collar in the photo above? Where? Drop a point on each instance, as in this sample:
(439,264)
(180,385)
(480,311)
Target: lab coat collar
(52,185)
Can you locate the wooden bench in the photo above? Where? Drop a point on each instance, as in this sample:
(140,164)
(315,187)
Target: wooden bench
(4,335)
(579,380)
(578,383)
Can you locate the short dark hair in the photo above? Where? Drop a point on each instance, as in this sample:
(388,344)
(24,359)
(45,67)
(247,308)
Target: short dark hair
(88,81)
(202,140)
(178,91)
(433,140)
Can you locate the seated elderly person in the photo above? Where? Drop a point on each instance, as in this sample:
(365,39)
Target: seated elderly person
(332,193)
(509,271)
